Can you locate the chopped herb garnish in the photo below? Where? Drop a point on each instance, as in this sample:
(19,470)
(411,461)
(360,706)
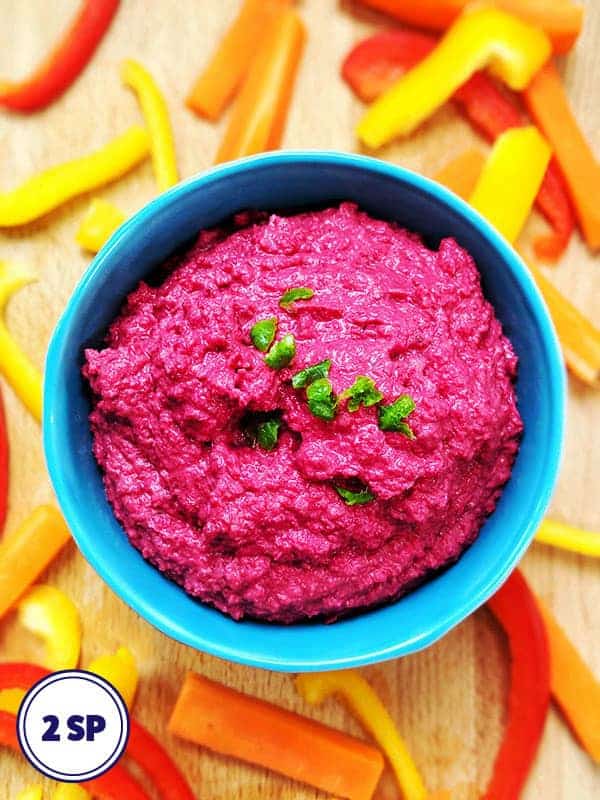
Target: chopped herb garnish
(354,498)
(263,333)
(281,353)
(299,293)
(310,374)
(267,433)
(391,418)
(362,392)
(321,399)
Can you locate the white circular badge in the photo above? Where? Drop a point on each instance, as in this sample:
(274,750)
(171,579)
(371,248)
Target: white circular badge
(73,726)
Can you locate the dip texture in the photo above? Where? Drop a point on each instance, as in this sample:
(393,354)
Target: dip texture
(264,533)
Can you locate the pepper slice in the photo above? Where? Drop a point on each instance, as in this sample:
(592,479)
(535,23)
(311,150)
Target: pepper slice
(30,793)
(121,670)
(4,459)
(515,608)
(484,37)
(70,791)
(558,534)
(65,62)
(49,613)
(100,222)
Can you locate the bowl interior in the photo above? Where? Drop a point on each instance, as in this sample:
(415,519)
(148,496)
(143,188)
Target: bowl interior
(296,180)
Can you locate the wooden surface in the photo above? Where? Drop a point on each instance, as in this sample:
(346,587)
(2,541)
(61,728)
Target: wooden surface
(448,701)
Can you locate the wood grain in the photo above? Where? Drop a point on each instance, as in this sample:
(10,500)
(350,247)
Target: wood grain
(449,700)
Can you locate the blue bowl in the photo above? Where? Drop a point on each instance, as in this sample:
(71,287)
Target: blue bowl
(300,180)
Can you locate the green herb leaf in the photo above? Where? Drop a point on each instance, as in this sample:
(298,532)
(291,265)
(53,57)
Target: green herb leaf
(263,333)
(355,498)
(310,374)
(321,399)
(362,392)
(267,433)
(299,293)
(391,418)
(281,353)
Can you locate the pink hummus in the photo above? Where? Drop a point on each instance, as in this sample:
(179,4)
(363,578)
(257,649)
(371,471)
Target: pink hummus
(264,534)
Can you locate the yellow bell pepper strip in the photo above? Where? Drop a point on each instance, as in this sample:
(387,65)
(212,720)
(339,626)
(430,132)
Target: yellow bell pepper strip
(26,552)
(484,37)
(18,370)
(510,180)
(574,687)
(30,793)
(100,222)
(48,190)
(365,703)
(70,791)
(121,670)
(558,534)
(50,614)
(11,699)
(156,115)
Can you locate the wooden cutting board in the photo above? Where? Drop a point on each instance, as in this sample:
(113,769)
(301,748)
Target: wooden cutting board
(448,701)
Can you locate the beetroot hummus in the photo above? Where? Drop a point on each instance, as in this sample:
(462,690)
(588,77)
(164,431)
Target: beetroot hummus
(269,497)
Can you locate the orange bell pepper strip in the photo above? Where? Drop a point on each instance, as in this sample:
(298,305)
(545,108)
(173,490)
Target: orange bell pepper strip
(25,553)
(315,687)
(157,119)
(210,715)
(484,37)
(562,21)
(227,68)
(515,608)
(100,222)
(548,104)
(558,534)
(22,375)
(121,670)
(511,177)
(48,190)
(259,114)
(49,613)
(462,173)
(66,61)
(574,687)
(31,793)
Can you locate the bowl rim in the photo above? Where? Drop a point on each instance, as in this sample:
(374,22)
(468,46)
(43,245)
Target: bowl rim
(364,654)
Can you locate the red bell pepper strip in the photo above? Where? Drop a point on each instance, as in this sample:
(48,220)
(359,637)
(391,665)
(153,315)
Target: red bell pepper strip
(116,784)
(3,466)
(515,608)
(60,69)
(376,63)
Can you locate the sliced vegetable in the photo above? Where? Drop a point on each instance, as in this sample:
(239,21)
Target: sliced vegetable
(11,699)
(322,401)
(156,116)
(100,222)
(354,498)
(31,793)
(50,614)
(363,392)
(70,791)
(267,433)
(512,49)
(210,714)
(567,537)
(292,295)
(367,706)
(49,189)
(16,367)
(281,353)
(258,117)
(120,669)
(65,62)
(392,417)
(515,608)
(26,553)
(562,21)
(510,180)
(312,373)
(549,106)
(225,71)
(263,333)
(150,755)
(4,462)
(574,686)
(462,173)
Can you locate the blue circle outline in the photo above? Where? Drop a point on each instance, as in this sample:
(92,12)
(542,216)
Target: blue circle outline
(97,680)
